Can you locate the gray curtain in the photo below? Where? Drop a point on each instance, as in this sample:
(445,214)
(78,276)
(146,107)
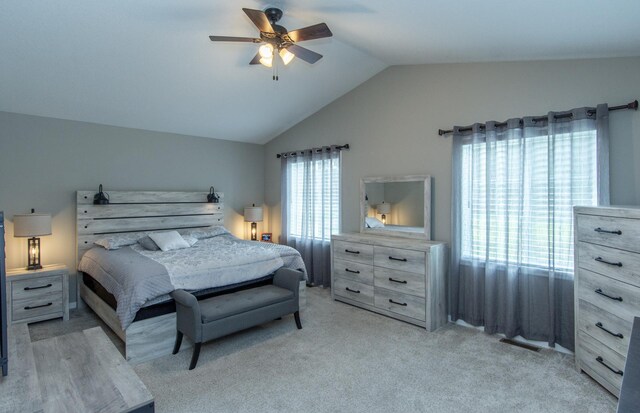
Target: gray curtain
(310,188)
(514,186)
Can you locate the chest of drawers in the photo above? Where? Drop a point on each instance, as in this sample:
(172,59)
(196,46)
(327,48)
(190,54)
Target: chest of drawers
(400,278)
(36,295)
(607,289)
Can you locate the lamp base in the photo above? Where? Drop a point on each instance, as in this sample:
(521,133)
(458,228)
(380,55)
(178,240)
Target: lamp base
(34,267)
(33,254)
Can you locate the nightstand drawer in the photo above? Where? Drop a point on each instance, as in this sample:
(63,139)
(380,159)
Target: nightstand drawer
(34,288)
(30,308)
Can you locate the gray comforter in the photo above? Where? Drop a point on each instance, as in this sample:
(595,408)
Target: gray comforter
(137,277)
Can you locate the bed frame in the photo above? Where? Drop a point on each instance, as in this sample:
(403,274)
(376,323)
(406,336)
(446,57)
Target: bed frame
(140,212)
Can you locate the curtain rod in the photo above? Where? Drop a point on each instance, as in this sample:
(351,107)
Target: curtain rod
(327,148)
(632,105)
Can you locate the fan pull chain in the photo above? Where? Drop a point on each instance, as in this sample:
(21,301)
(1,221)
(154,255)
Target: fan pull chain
(275,66)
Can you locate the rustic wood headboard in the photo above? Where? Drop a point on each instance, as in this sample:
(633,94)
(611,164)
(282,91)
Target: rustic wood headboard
(140,212)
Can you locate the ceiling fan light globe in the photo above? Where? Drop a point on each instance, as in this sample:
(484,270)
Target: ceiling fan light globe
(266,61)
(266,51)
(286,56)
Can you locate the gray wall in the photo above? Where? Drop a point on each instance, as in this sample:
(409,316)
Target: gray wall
(391,122)
(43,161)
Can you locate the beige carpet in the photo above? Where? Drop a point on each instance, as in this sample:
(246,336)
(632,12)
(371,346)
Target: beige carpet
(350,360)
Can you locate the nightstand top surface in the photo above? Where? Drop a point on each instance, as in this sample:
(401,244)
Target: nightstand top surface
(46,269)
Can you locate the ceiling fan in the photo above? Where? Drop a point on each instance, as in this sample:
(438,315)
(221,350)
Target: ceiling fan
(277,40)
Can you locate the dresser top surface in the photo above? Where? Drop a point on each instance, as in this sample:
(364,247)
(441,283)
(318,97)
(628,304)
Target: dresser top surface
(389,241)
(621,211)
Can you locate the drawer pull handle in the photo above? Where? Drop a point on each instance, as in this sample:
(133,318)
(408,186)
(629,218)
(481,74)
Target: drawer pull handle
(397,303)
(600,259)
(599,291)
(352,291)
(616,371)
(604,231)
(29,307)
(397,281)
(352,271)
(37,288)
(601,327)
(352,252)
(397,259)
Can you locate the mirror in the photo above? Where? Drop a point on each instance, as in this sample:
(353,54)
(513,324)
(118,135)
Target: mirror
(397,206)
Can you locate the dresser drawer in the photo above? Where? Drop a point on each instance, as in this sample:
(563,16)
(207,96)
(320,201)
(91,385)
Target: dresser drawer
(602,360)
(400,281)
(622,233)
(405,304)
(354,290)
(354,271)
(36,287)
(35,307)
(608,294)
(353,251)
(607,328)
(400,259)
(614,263)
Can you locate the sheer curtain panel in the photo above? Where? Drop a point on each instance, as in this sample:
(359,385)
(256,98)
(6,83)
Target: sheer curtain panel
(311,208)
(514,188)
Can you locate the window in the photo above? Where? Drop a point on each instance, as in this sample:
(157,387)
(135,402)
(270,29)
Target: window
(313,187)
(517,197)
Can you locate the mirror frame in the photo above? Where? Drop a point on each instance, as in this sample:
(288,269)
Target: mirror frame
(425,179)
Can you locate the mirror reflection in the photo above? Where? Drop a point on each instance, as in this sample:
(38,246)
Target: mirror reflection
(395,205)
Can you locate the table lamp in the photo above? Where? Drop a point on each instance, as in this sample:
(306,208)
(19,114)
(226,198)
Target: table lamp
(32,226)
(254,215)
(384,209)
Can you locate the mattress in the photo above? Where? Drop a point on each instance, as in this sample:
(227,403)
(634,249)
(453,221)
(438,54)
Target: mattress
(167,305)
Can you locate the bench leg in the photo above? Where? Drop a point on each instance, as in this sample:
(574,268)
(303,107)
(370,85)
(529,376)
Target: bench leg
(176,347)
(194,357)
(296,315)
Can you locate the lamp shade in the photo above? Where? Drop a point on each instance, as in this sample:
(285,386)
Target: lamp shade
(384,208)
(253,214)
(31,225)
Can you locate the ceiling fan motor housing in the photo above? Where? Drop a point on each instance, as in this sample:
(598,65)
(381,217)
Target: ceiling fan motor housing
(273,14)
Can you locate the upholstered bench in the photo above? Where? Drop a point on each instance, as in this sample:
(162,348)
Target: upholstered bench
(218,316)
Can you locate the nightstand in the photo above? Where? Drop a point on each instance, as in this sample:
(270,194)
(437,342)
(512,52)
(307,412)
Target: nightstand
(36,295)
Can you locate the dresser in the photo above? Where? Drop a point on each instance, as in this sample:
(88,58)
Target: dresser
(36,295)
(397,277)
(607,289)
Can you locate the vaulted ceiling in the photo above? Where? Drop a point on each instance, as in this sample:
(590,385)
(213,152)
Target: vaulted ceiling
(149,64)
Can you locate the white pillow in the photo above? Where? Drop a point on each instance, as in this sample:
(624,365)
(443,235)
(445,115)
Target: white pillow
(168,241)
(373,222)
(190,240)
(117,241)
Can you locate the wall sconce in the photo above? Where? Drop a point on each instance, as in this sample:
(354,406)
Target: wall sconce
(384,209)
(32,225)
(254,215)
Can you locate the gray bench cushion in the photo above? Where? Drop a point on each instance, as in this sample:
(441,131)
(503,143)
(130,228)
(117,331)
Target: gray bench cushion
(229,304)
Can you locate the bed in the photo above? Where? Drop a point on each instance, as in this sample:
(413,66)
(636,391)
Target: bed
(128,286)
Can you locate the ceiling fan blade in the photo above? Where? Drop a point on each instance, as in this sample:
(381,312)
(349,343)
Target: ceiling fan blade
(304,54)
(317,31)
(259,19)
(234,39)
(256,59)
